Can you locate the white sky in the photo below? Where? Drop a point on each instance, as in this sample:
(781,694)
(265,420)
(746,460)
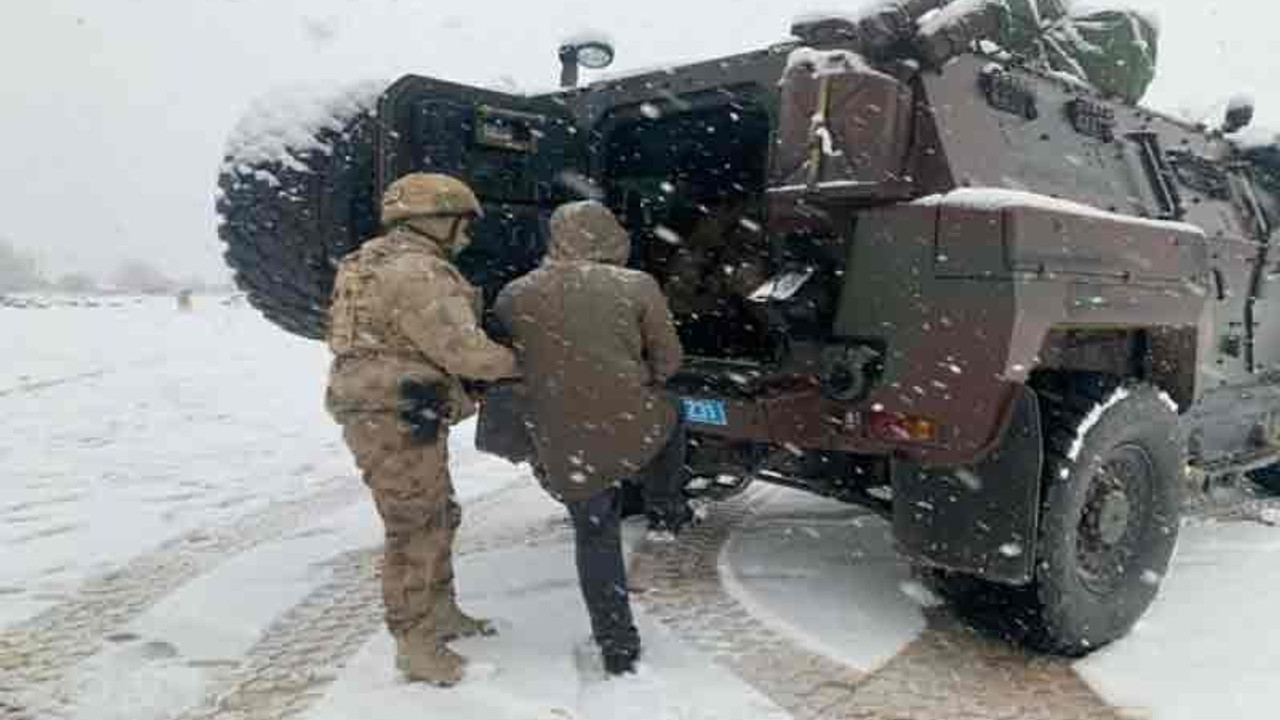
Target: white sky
(113,113)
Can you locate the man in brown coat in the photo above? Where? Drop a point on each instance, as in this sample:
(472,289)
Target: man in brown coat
(404,330)
(596,342)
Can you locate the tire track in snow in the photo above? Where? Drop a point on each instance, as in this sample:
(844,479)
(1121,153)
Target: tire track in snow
(26,388)
(38,653)
(301,653)
(948,671)
(951,671)
(681,587)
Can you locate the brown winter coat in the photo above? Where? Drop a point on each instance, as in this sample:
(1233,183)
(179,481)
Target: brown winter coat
(400,311)
(596,342)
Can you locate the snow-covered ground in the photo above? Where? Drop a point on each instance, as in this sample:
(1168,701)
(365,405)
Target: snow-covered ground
(182,534)
(1210,647)
(861,604)
(129,424)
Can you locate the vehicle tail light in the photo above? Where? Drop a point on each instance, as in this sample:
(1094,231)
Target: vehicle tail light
(896,427)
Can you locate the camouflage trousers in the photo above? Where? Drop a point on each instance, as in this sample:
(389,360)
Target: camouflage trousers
(414,496)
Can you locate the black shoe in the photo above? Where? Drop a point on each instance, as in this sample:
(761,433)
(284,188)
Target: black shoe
(620,663)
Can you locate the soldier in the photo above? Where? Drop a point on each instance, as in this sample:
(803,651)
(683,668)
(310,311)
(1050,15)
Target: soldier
(597,343)
(404,331)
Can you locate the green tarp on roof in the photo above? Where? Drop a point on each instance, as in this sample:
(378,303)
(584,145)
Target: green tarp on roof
(1114,50)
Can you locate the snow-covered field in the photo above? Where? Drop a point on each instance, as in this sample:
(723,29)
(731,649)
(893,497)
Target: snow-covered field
(182,534)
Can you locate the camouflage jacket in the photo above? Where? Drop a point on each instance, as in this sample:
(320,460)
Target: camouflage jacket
(401,311)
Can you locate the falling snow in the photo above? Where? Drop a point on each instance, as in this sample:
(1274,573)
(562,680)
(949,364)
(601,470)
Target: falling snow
(1011,550)
(969,479)
(668,235)
(921,595)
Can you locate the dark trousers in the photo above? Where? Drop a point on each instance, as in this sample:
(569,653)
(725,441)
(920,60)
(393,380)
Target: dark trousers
(602,572)
(662,481)
(597,527)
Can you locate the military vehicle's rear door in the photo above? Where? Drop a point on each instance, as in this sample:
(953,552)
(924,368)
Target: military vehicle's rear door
(522,155)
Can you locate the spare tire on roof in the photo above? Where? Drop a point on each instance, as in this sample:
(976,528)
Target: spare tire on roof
(295,196)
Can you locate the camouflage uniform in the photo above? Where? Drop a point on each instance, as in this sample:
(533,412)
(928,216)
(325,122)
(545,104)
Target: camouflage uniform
(401,312)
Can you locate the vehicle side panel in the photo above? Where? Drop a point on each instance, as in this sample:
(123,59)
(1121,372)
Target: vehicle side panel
(948,290)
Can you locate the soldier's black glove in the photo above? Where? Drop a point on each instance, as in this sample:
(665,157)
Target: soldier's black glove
(475,388)
(424,407)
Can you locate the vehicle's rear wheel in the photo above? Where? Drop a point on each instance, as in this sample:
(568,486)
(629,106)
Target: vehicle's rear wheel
(289,215)
(1108,521)
(1109,515)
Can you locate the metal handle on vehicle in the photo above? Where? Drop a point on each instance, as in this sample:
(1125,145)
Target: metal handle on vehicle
(1160,175)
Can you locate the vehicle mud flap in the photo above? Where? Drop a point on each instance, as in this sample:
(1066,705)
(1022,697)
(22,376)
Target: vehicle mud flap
(979,519)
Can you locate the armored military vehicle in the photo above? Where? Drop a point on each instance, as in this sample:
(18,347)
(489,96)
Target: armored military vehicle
(913,269)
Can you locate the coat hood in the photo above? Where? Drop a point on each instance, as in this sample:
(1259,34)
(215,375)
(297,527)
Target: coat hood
(588,231)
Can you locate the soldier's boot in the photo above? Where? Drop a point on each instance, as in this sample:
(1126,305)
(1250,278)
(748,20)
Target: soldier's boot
(423,658)
(448,620)
(451,623)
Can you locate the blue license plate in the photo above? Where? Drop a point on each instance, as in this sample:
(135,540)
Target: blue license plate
(704,412)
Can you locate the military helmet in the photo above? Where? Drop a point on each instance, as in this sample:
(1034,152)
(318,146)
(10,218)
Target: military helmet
(419,195)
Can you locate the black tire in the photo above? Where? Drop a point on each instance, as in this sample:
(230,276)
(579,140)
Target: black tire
(1109,514)
(1067,609)
(287,224)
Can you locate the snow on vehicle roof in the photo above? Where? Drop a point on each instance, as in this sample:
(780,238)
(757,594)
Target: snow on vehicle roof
(829,62)
(1003,199)
(1148,16)
(290,120)
(816,16)
(947,15)
(674,66)
(1069,79)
